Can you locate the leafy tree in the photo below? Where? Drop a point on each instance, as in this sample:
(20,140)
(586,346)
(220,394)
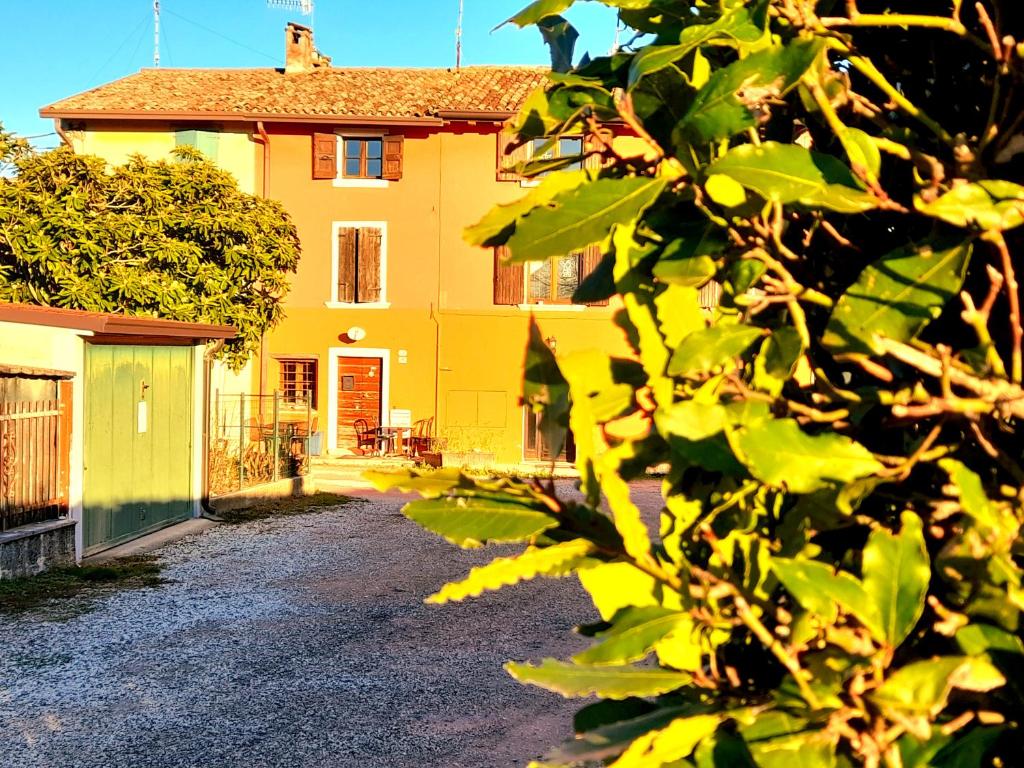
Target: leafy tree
(836,578)
(173,239)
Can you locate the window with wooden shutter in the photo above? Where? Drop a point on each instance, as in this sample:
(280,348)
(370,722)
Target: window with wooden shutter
(359,265)
(393,161)
(325,156)
(368,264)
(591,260)
(508,279)
(347,264)
(508,157)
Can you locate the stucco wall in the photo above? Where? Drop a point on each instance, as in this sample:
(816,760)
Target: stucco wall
(439,289)
(62,350)
(236,151)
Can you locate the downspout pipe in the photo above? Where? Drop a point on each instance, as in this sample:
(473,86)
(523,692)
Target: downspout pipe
(264,139)
(204,499)
(58,128)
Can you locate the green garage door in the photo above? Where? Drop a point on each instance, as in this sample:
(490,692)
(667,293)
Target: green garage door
(138,441)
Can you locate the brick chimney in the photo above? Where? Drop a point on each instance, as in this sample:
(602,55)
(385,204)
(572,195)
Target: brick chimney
(299,53)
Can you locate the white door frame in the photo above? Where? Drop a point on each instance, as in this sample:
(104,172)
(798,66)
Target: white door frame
(334,354)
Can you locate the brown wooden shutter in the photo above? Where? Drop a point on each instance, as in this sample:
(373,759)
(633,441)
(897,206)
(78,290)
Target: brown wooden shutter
(509,279)
(393,161)
(710,294)
(325,156)
(347,264)
(591,144)
(368,288)
(591,259)
(507,159)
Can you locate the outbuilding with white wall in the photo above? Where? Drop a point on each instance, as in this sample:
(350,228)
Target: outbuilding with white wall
(101,430)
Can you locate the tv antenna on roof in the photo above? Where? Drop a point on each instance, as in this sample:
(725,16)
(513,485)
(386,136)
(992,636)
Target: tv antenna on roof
(156,33)
(305,7)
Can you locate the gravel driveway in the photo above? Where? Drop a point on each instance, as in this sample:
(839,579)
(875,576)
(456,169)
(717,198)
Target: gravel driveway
(295,642)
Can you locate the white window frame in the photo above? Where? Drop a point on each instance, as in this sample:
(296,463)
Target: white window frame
(383,302)
(334,355)
(529,156)
(340,180)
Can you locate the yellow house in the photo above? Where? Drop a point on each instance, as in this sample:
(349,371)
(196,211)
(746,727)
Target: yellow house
(392,319)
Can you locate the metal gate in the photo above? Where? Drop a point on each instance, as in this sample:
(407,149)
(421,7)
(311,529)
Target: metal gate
(34,441)
(138,441)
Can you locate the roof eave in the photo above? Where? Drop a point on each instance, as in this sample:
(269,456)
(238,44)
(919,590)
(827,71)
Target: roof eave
(243,117)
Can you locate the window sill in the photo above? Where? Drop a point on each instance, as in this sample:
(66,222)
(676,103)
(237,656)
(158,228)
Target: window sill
(553,307)
(362,183)
(357,305)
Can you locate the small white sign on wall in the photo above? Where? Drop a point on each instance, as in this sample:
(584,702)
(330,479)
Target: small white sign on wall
(143,417)
(401,417)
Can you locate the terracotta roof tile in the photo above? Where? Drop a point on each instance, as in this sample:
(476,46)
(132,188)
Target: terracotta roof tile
(329,92)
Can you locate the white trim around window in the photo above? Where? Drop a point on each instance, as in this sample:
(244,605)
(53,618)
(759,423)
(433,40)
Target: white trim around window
(340,180)
(334,354)
(383,303)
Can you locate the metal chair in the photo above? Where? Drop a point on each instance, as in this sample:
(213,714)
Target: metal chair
(367,436)
(421,440)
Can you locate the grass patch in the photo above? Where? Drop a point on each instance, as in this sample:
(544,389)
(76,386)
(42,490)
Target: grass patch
(87,581)
(288,506)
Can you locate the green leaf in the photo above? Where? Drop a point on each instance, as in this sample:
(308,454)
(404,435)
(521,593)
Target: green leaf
(895,572)
(725,190)
(777,359)
(989,204)
(582,216)
(557,560)
(471,522)
(691,419)
(497,225)
(573,680)
(973,500)
(743,24)
(634,633)
(610,740)
(969,750)
(709,348)
(780,453)
(818,588)
(897,296)
(734,96)
(545,389)
(616,586)
(679,313)
(673,742)
(788,173)
(537,10)
(923,687)
(861,150)
(979,639)
(427,484)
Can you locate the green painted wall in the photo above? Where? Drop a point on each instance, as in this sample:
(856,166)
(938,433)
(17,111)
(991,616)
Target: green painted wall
(137,475)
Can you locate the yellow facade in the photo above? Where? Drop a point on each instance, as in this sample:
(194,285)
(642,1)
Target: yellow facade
(450,353)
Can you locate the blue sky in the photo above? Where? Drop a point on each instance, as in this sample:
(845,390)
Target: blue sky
(54,48)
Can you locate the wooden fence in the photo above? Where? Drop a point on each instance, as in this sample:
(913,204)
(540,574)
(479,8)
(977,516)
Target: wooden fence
(35,428)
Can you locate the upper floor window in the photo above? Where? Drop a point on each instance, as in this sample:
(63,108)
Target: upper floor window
(567,146)
(205,141)
(360,263)
(363,158)
(552,281)
(355,160)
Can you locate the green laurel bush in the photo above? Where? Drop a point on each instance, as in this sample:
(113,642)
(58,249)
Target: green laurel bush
(172,238)
(836,576)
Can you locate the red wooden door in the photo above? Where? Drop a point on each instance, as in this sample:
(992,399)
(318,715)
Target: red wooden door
(359,387)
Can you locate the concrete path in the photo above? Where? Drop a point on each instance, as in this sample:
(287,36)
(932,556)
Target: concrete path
(295,642)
